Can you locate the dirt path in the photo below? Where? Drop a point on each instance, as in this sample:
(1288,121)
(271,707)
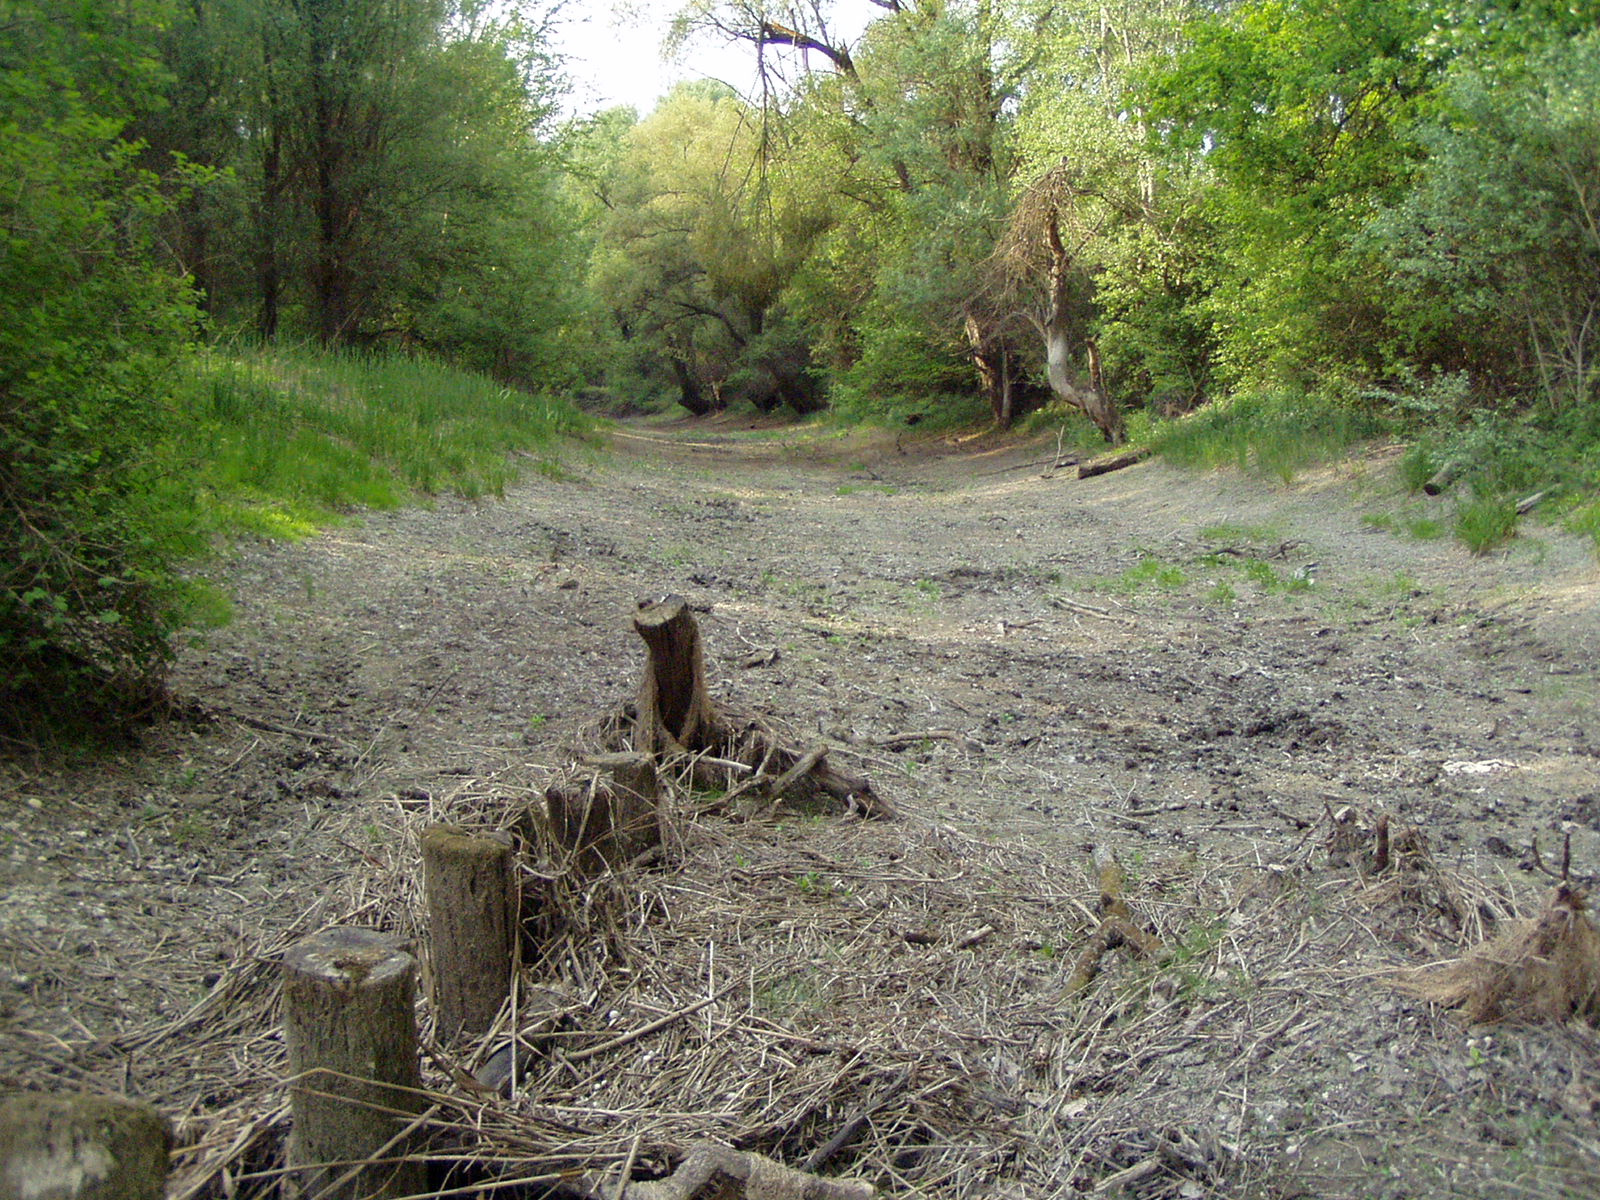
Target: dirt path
(1194,669)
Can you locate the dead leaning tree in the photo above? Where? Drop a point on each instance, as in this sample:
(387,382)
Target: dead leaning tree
(1040,269)
(609,811)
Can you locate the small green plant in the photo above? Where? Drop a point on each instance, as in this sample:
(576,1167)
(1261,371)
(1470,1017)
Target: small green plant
(190,829)
(1199,940)
(930,588)
(1585,521)
(1485,522)
(537,721)
(813,884)
(1271,580)
(790,994)
(1149,572)
(1222,593)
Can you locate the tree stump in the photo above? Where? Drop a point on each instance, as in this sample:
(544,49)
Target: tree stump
(471,922)
(609,814)
(675,713)
(81,1148)
(349,1023)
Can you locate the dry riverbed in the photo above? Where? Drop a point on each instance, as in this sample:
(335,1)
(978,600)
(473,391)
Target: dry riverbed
(1196,672)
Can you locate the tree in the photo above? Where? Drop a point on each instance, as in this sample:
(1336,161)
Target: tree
(696,249)
(1302,118)
(1496,251)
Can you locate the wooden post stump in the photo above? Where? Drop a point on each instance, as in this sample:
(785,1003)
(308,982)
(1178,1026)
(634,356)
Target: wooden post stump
(81,1148)
(471,922)
(675,713)
(349,1023)
(610,814)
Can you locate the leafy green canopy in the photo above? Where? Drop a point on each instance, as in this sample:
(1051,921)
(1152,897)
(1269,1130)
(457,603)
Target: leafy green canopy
(1496,251)
(1303,113)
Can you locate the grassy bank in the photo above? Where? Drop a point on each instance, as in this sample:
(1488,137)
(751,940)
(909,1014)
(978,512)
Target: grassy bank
(1547,460)
(286,440)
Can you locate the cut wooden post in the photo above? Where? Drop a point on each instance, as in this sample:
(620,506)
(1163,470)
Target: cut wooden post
(635,792)
(471,922)
(675,713)
(610,814)
(55,1147)
(349,1023)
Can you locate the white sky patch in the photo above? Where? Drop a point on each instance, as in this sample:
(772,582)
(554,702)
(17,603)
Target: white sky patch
(614,53)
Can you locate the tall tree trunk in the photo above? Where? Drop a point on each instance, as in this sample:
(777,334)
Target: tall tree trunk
(1066,381)
(269,268)
(992,358)
(690,393)
(331,149)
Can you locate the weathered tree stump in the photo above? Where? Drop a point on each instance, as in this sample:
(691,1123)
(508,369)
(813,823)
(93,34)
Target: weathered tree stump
(675,713)
(349,1023)
(675,726)
(470,890)
(55,1147)
(608,814)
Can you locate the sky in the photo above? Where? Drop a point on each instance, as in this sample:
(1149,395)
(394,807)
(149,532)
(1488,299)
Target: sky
(614,57)
(614,53)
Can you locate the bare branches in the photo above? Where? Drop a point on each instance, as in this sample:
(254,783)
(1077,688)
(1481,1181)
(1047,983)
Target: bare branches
(803,28)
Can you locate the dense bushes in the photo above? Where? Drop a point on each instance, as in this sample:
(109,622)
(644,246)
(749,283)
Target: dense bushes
(91,335)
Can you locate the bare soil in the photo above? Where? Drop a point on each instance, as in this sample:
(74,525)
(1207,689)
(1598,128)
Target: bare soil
(1195,670)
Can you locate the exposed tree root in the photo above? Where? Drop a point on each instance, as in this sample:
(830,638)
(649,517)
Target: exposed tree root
(1547,969)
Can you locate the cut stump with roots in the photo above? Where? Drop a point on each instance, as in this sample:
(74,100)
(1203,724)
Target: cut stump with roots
(675,724)
(1547,969)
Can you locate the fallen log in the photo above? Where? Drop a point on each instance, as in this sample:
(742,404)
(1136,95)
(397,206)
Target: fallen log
(1440,481)
(1107,463)
(716,1172)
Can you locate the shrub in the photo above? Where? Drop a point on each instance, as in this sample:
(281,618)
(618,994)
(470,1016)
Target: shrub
(92,516)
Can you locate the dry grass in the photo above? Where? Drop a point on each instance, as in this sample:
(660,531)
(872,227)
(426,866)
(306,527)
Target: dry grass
(882,1000)
(1546,969)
